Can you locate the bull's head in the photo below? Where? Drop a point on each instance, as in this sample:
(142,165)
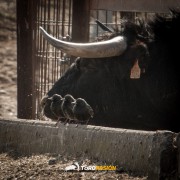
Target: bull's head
(102,75)
(96,76)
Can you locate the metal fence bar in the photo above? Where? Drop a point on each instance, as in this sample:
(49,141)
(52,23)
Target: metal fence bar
(54,16)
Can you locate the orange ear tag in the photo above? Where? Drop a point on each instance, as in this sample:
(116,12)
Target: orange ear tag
(135,71)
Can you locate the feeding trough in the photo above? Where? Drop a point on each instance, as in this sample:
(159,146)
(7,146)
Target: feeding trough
(152,153)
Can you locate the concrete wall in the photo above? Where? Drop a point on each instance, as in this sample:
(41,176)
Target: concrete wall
(178,154)
(149,153)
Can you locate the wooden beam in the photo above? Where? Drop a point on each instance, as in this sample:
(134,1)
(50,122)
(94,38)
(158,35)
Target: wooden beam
(80,21)
(25,76)
(161,6)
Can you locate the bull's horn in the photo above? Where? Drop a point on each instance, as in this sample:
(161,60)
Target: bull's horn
(113,47)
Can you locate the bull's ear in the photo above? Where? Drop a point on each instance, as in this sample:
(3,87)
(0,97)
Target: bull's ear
(112,47)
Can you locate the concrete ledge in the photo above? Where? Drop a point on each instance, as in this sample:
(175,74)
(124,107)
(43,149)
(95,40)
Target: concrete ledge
(143,152)
(178,154)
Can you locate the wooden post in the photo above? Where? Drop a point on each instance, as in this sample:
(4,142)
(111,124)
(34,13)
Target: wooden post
(80,20)
(25,80)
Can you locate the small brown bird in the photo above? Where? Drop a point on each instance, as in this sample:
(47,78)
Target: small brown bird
(82,110)
(67,106)
(46,110)
(56,106)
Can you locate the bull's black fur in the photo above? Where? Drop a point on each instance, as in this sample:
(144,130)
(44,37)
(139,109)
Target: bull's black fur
(149,103)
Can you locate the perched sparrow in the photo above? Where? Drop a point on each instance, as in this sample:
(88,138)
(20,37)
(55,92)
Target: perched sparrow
(67,107)
(46,110)
(82,110)
(56,105)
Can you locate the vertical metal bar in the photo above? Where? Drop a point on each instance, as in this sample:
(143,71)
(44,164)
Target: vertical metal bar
(42,48)
(37,59)
(97,17)
(45,49)
(106,14)
(63,17)
(116,23)
(62,31)
(80,26)
(70,24)
(120,19)
(48,47)
(51,51)
(62,23)
(69,18)
(57,35)
(24,60)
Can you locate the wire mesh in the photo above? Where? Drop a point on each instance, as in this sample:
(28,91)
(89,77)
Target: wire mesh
(113,19)
(55,16)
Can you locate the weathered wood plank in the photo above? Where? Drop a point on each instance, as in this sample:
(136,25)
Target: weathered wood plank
(25,80)
(136,6)
(80,21)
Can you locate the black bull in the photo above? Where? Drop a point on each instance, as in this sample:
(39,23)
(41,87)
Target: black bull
(150,102)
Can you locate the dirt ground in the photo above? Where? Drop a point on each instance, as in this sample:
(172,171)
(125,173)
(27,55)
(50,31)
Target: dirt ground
(37,166)
(8,79)
(8,64)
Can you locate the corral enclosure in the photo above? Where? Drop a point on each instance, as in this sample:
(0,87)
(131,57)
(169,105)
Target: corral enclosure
(39,66)
(43,64)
